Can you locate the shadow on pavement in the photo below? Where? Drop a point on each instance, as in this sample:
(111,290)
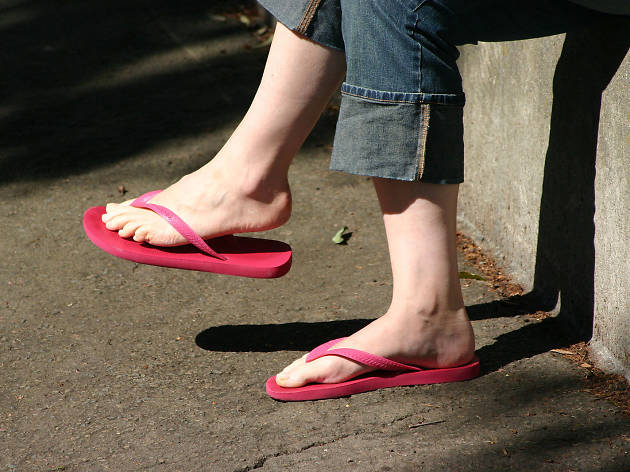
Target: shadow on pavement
(297,336)
(91,83)
(522,343)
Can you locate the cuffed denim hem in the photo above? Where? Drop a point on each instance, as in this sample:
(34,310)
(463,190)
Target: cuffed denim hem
(399,136)
(384,96)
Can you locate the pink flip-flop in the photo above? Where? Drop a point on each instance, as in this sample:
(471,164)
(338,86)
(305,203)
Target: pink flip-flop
(231,255)
(389,374)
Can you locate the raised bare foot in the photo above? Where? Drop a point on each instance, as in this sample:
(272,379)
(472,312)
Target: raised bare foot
(434,341)
(223,197)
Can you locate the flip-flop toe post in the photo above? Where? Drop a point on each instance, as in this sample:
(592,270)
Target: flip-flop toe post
(230,255)
(389,373)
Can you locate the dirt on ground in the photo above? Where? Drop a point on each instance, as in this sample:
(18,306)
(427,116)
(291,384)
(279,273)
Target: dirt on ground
(111,365)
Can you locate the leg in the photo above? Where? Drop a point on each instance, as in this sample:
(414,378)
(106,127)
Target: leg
(402,120)
(399,125)
(245,187)
(426,323)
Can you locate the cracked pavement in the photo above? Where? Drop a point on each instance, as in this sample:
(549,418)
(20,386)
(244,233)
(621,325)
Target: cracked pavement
(109,365)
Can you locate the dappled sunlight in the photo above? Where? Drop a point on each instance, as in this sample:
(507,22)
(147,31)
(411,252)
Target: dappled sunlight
(160,63)
(93,84)
(14,17)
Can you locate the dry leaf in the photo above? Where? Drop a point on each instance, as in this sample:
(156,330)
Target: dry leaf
(468,275)
(244,19)
(338,237)
(562,351)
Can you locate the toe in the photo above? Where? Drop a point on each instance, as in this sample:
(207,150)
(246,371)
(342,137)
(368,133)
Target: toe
(117,222)
(287,377)
(326,370)
(141,235)
(112,209)
(129,229)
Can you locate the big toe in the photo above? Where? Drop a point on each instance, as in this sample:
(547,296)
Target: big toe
(115,209)
(325,370)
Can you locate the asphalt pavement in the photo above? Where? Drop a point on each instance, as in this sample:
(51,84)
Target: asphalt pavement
(110,365)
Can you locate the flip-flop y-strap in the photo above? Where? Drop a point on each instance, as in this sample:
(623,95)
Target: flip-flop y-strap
(362,357)
(176,222)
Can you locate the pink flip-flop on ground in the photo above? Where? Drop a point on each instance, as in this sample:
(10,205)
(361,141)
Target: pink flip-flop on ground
(231,255)
(389,374)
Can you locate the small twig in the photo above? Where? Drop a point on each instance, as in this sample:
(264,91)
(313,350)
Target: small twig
(427,423)
(607,396)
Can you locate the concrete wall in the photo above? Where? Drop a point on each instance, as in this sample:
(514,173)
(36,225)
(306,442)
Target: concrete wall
(547,131)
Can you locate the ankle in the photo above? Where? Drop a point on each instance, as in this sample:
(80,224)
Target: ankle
(429,307)
(253,170)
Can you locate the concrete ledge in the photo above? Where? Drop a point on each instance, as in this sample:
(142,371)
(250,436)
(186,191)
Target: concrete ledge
(547,136)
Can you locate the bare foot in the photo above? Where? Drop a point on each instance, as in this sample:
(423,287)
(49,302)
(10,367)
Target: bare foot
(223,197)
(445,340)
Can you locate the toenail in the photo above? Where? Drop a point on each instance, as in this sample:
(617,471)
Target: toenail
(282,376)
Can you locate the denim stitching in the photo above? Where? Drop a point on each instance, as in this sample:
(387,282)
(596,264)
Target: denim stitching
(422,139)
(377,99)
(309,13)
(457,99)
(422,98)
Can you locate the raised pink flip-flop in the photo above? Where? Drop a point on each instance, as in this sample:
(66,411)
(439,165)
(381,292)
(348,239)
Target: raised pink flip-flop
(389,374)
(231,255)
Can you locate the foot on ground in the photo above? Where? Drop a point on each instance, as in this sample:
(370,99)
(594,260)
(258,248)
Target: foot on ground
(413,339)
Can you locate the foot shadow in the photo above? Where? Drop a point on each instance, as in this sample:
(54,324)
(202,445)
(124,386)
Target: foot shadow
(522,343)
(299,336)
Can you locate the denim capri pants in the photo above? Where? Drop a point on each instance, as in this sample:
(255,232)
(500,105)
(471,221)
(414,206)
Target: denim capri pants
(401,114)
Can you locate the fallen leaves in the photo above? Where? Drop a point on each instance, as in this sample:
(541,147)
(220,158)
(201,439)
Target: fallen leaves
(604,386)
(601,384)
(562,351)
(253,19)
(487,267)
(469,275)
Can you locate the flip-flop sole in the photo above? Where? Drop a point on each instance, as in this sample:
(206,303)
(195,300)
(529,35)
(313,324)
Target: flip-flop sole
(371,382)
(246,257)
